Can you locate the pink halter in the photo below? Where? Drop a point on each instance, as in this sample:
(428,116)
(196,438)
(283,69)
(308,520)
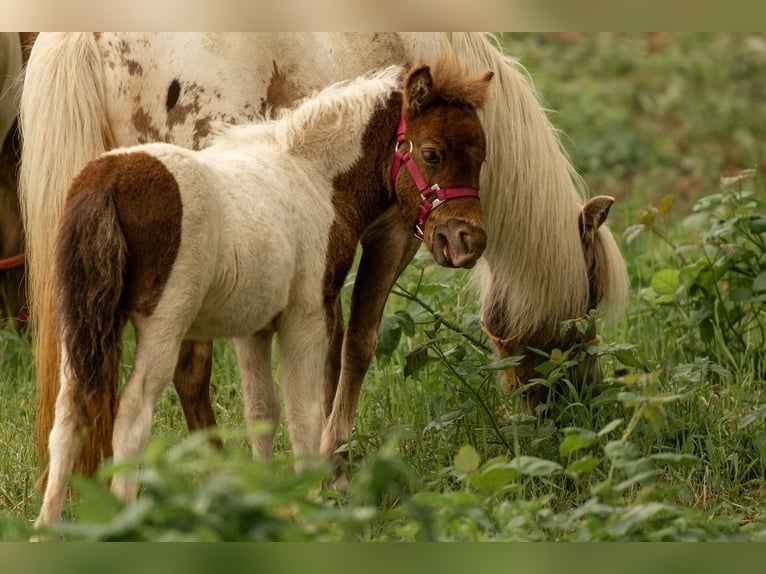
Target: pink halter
(425,190)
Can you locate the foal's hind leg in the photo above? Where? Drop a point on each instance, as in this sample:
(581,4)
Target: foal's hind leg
(261,400)
(64,445)
(192,382)
(156,354)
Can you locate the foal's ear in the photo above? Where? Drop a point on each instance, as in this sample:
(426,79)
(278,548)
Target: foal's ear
(477,89)
(594,214)
(418,86)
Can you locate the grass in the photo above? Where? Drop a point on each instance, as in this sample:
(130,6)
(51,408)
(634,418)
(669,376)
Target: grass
(671,447)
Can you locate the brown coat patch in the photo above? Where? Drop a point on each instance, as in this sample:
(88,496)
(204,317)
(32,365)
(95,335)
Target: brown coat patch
(148,205)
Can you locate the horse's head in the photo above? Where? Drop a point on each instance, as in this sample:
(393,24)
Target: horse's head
(442,144)
(592,215)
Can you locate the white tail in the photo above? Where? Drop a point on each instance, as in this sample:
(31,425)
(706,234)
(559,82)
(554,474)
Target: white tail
(64,125)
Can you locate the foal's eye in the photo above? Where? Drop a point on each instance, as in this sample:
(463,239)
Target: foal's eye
(430,155)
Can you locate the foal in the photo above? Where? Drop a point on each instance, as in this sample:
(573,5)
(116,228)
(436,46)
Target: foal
(249,237)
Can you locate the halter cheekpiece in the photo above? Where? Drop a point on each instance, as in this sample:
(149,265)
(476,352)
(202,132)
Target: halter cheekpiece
(442,194)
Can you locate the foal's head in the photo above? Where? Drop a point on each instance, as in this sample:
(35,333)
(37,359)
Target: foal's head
(445,140)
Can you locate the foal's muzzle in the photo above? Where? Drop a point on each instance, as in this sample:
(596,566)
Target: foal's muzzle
(457,243)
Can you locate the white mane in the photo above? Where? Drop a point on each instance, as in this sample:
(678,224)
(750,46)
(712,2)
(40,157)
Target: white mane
(328,124)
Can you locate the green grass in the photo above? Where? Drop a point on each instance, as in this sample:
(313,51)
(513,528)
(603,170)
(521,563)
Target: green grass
(671,447)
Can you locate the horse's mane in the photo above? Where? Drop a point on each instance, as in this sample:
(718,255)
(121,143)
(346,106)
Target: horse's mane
(328,123)
(531,196)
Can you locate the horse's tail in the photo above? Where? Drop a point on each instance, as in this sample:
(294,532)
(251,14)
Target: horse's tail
(90,261)
(63,124)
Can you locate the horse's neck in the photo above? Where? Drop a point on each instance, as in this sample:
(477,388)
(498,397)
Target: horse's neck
(362,193)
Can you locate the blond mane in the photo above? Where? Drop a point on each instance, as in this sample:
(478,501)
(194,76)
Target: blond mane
(531,197)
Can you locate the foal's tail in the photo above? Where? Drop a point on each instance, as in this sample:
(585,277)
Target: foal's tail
(90,262)
(63,125)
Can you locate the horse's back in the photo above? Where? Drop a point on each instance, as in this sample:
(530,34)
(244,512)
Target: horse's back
(217,78)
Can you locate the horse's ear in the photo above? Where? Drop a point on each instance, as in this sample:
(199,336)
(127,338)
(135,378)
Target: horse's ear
(594,214)
(477,89)
(418,86)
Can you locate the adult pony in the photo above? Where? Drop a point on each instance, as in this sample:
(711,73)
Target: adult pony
(251,236)
(89,92)
(13,54)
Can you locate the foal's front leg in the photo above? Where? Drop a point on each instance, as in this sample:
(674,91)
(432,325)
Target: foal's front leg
(388,247)
(303,341)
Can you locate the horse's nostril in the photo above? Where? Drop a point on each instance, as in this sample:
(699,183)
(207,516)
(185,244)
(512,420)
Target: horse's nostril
(465,241)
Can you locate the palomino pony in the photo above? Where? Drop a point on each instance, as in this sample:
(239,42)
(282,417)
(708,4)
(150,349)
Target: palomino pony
(89,92)
(12,291)
(251,236)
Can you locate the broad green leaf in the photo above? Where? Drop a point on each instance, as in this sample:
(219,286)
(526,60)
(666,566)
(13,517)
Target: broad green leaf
(405,322)
(533,466)
(467,459)
(621,449)
(583,465)
(389,335)
(665,281)
(759,283)
(636,516)
(415,360)
(96,502)
(502,364)
(581,438)
(493,476)
(644,478)
(627,357)
(609,427)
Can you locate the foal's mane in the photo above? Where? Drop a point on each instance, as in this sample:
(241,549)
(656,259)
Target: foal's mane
(328,124)
(531,197)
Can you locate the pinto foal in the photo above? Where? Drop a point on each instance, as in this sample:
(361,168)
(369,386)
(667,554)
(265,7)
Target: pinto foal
(249,237)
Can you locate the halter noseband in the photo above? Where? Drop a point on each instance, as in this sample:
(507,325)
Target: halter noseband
(442,194)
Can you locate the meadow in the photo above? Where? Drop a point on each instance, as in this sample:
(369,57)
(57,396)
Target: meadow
(672,445)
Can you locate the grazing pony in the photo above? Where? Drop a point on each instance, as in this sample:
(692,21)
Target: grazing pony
(592,217)
(249,237)
(91,92)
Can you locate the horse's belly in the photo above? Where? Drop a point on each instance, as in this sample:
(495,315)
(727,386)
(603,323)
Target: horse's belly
(249,309)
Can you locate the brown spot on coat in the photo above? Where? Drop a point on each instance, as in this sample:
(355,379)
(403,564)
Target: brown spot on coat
(280,93)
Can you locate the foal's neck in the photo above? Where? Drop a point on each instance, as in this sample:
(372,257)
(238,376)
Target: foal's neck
(365,191)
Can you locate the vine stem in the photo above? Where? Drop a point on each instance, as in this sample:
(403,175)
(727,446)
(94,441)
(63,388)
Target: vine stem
(475,393)
(401,292)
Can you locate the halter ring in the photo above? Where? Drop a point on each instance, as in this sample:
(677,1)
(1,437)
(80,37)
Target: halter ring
(408,152)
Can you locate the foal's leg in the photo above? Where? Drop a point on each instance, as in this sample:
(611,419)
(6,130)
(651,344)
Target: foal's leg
(332,365)
(303,342)
(192,383)
(387,249)
(260,395)
(156,354)
(64,445)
